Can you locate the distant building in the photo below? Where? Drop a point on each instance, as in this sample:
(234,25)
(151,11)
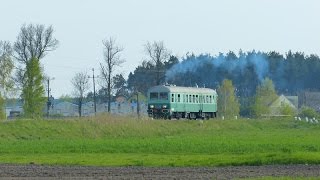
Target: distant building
(282,101)
(13,108)
(310,99)
(121,99)
(87,109)
(65,109)
(58,107)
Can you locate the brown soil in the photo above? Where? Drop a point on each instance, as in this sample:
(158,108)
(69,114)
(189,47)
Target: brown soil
(83,172)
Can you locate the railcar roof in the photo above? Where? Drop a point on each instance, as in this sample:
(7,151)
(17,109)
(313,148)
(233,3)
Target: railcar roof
(180,89)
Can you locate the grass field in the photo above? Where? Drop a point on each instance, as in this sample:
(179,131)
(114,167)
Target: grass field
(122,141)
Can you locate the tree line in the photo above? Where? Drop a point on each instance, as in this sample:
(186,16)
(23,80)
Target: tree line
(291,73)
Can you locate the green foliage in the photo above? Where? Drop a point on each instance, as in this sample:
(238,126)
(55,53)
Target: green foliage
(6,66)
(33,90)
(265,95)
(287,110)
(228,104)
(120,85)
(2,108)
(308,112)
(246,106)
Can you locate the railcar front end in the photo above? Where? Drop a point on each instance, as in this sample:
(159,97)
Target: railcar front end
(159,105)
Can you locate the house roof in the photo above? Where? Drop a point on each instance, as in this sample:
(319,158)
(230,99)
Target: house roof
(294,100)
(283,100)
(312,99)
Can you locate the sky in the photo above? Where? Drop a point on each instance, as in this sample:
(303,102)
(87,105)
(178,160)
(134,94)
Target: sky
(198,26)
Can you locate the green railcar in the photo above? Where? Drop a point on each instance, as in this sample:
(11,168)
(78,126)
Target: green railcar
(182,102)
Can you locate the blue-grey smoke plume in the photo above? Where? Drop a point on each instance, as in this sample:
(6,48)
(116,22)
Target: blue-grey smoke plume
(194,63)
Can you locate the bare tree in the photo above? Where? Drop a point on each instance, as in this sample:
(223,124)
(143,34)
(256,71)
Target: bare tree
(157,54)
(111,61)
(33,41)
(81,85)
(6,66)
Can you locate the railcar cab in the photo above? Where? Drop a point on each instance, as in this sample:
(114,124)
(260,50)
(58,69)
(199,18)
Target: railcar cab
(159,102)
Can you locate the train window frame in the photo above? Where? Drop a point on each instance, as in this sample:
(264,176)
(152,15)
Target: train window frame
(152,97)
(210,99)
(172,97)
(163,96)
(187,98)
(178,98)
(197,99)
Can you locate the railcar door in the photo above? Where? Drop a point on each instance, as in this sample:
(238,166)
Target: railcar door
(173,102)
(184,102)
(200,104)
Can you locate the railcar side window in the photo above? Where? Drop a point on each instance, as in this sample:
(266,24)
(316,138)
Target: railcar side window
(178,97)
(172,97)
(190,101)
(197,99)
(164,96)
(210,99)
(153,95)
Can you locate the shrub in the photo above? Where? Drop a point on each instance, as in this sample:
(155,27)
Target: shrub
(308,112)
(2,108)
(287,110)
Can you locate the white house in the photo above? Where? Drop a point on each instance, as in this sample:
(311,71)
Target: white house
(283,101)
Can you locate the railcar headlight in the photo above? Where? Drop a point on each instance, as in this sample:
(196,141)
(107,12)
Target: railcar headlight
(151,106)
(164,106)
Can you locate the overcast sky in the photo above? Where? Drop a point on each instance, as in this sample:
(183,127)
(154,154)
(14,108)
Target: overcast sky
(199,26)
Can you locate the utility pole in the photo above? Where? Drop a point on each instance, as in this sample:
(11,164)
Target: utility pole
(138,107)
(94,92)
(48,101)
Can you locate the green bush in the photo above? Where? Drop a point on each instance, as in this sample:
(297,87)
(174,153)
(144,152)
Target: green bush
(287,110)
(308,112)
(2,108)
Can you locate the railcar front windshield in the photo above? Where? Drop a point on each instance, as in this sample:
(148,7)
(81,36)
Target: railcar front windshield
(163,96)
(154,96)
(159,96)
